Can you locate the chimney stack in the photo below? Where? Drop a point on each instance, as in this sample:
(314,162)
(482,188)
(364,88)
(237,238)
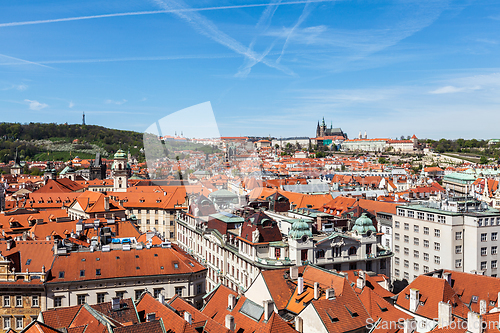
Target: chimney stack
(300,285)
(414,299)
(360,282)
(444,314)
(330,293)
(106,203)
(294,272)
(268,309)
(410,326)
(9,244)
(299,324)
(316,290)
(474,322)
(231,302)
(482,307)
(230,323)
(188,317)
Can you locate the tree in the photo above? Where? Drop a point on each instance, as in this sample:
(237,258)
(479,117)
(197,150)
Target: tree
(483,160)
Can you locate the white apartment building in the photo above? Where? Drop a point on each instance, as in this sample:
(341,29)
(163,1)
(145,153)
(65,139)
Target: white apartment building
(456,234)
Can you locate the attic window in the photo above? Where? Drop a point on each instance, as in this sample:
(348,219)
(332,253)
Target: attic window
(332,319)
(473,299)
(98,271)
(61,275)
(191,264)
(83,259)
(353,314)
(156,254)
(137,267)
(117,257)
(161,267)
(82,273)
(28,262)
(137,256)
(97,259)
(176,265)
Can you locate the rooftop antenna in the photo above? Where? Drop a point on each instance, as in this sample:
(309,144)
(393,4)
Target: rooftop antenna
(83,118)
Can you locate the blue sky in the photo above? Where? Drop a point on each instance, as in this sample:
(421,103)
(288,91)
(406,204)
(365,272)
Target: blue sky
(390,68)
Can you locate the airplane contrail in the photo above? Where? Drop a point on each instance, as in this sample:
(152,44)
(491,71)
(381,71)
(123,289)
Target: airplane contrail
(151,12)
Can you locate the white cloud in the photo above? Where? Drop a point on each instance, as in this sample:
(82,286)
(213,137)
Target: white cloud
(453,89)
(71,104)
(110,101)
(21,87)
(35,105)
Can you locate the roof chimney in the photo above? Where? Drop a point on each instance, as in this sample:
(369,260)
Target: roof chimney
(360,282)
(268,309)
(414,298)
(330,293)
(188,317)
(474,322)
(299,324)
(444,314)
(115,303)
(230,323)
(300,285)
(294,272)
(231,302)
(410,326)
(161,298)
(482,307)
(9,244)
(316,290)
(106,203)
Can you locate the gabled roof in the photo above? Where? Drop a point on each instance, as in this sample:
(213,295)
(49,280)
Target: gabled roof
(432,291)
(60,185)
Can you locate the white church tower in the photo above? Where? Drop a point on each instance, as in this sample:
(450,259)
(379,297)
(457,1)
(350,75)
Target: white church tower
(119,171)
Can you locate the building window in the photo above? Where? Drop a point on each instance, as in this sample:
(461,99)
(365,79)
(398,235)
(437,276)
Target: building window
(484,251)
(82,273)
(426,269)
(138,293)
(19,301)
(396,260)
(407,251)
(458,235)
(430,217)
(352,252)
(178,291)
(396,236)
(458,249)
(57,302)
(437,233)
(147,211)
(34,301)
(441,219)
(494,236)
(494,264)
(407,238)
(407,226)
(406,276)
(6,323)
(396,272)
(416,253)
(156,222)
(458,263)
(19,323)
(147,221)
(120,294)
(437,246)
(406,263)
(6,301)
(415,266)
(426,243)
(171,234)
(80,299)
(484,237)
(493,250)
(401,212)
(415,228)
(483,265)
(396,224)
(416,241)
(420,215)
(437,260)
(426,256)
(100,297)
(426,230)
(396,248)
(410,213)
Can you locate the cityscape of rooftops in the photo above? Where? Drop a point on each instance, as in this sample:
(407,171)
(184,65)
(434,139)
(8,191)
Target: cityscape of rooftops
(182,166)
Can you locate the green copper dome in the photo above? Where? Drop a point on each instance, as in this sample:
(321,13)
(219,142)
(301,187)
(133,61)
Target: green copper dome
(299,229)
(120,154)
(363,225)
